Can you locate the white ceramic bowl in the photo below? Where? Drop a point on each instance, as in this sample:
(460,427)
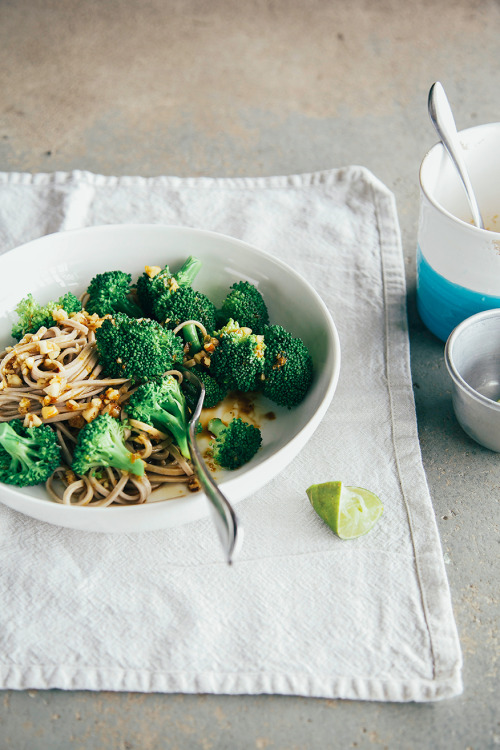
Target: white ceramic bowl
(458,265)
(53,264)
(472,356)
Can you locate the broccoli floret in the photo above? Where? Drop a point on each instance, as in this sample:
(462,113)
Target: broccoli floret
(288,369)
(33,316)
(246,305)
(163,405)
(102,443)
(137,348)
(214,391)
(108,294)
(28,455)
(238,360)
(187,304)
(152,288)
(235,444)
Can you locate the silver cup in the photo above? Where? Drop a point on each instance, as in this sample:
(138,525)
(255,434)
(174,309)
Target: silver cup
(472,356)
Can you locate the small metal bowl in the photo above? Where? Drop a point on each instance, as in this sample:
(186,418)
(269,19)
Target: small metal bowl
(472,356)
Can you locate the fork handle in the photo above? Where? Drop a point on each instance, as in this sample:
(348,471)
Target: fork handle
(223,514)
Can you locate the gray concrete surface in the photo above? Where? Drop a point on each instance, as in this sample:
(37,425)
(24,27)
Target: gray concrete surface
(271,87)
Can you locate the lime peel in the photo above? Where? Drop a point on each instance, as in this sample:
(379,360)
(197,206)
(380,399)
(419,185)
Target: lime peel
(350,512)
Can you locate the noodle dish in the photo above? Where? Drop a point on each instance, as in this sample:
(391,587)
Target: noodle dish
(94,405)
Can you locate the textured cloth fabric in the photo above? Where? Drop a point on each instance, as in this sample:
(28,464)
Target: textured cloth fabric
(300,612)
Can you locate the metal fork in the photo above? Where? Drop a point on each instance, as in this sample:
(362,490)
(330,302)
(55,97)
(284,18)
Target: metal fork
(222,512)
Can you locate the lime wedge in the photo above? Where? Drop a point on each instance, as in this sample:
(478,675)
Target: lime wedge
(349,511)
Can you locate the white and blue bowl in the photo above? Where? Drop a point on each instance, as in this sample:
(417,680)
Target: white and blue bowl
(458,265)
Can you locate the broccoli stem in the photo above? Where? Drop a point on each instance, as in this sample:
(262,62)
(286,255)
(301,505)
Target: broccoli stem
(175,425)
(188,271)
(114,454)
(122,460)
(190,334)
(129,307)
(215,426)
(23,453)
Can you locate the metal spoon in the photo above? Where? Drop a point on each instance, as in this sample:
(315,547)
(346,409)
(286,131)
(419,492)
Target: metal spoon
(444,122)
(223,514)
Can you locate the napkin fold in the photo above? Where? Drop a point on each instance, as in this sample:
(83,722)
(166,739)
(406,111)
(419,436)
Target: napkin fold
(300,612)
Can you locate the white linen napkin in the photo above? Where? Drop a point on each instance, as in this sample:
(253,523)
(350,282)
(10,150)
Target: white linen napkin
(300,612)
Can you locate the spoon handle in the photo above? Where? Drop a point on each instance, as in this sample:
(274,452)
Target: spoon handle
(444,122)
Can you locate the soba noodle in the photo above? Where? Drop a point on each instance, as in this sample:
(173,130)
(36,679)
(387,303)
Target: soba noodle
(54,377)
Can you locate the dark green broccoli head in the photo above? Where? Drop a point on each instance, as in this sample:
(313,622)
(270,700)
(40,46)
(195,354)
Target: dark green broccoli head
(108,294)
(246,305)
(33,316)
(235,444)
(153,288)
(187,304)
(28,455)
(215,392)
(137,348)
(102,443)
(288,368)
(238,360)
(162,404)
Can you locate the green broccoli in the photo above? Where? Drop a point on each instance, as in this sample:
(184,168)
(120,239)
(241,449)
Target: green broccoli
(237,361)
(33,316)
(235,444)
(102,443)
(152,288)
(246,305)
(288,368)
(187,304)
(28,455)
(162,404)
(108,294)
(214,391)
(137,348)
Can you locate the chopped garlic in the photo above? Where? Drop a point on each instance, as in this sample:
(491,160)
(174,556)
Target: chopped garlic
(171,284)
(56,386)
(36,336)
(69,476)
(112,394)
(79,317)
(152,271)
(112,409)
(46,346)
(14,380)
(60,314)
(24,405)
(32,420)
(49,411)
(90,412)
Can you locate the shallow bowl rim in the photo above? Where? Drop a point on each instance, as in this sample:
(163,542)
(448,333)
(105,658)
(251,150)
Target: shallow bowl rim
(455,375)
